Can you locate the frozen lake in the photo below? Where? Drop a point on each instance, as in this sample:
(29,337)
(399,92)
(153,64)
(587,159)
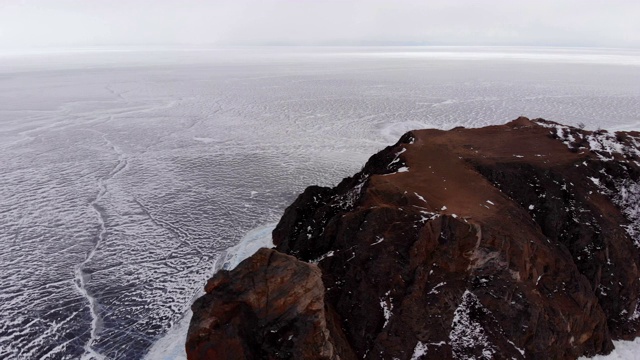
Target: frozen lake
(124,172)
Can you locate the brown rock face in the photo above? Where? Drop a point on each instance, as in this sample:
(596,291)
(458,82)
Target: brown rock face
(270,307)
(506,242)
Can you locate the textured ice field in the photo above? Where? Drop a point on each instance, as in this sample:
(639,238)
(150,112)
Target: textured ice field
(124,173)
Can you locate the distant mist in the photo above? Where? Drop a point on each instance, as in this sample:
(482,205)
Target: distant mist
(73,23)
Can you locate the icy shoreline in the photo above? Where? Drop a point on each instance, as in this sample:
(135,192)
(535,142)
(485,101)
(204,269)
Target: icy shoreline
(191,159)
(171,345)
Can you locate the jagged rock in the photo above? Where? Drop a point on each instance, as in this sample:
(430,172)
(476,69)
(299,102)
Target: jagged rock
(505,242)
(270,307)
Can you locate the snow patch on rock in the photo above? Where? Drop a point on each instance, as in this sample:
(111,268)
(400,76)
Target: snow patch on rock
(348,200)
(386,303)
(419,350)
(467,333)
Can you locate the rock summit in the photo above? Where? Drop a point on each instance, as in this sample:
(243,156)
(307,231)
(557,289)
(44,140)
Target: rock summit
(518,241)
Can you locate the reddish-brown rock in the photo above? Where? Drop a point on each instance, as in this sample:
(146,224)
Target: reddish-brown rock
(505,242)
(270,307)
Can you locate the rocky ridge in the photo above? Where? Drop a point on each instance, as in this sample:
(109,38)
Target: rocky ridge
(518,241)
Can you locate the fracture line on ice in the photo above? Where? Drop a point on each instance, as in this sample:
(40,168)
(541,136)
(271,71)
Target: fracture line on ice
(182,235)
(80,282)
(115,93)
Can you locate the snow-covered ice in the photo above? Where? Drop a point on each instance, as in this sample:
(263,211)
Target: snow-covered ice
(125,174)
(624,350)
(255,239)
(171,345)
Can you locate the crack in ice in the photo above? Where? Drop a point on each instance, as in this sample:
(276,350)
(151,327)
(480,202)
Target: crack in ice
(79,273)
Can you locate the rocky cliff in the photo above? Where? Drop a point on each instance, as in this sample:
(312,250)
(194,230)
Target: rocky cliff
(518,241)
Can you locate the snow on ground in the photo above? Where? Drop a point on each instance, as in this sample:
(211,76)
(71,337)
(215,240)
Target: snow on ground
(254,240)
(125,173)
(624,350)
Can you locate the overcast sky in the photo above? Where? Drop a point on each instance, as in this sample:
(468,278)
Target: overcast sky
(69,23)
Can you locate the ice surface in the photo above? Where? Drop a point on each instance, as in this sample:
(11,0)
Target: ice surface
(624,350)
(255,239)
(125,173)
(171,345)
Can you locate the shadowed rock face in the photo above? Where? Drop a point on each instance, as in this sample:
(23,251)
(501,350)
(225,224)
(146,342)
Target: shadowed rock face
(505,242)
(270,307)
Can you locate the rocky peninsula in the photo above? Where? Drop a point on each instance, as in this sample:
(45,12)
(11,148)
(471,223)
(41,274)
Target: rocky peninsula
(517,241)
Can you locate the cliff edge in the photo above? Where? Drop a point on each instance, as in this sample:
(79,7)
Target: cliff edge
(518,241)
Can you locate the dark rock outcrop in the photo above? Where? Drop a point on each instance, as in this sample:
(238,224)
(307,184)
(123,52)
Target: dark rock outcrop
(506,242)
(270,307)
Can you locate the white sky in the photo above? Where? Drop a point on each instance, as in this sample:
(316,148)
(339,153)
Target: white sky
(69,23)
